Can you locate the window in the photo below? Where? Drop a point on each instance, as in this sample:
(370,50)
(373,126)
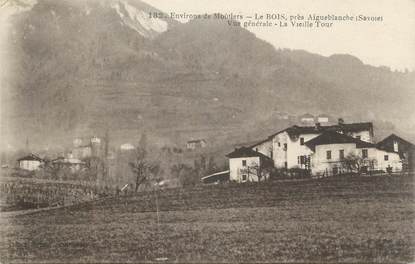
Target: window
(271,154)
(301,141)
(358,137)
(285,146)
(364,153)
(279,144)
(244,178)
(386,157)
(341,154)
(302,159)
(243,162)
(395,146)
(256,149)
(328,154)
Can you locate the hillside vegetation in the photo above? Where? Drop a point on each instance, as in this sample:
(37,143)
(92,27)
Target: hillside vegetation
(78,68)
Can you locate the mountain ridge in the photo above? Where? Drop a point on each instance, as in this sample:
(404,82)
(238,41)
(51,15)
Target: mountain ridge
(79,73)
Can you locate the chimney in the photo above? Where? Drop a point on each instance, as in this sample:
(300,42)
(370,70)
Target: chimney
(317,126)
(340,121)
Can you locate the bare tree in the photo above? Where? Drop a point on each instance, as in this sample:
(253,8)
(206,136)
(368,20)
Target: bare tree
(355,163)
(352,163)
(139,167)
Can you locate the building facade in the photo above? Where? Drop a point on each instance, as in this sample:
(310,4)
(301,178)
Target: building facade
(323,150)
(404,148)
(30,162)
(196,144)
(287,147)
(247,165)
(334,153)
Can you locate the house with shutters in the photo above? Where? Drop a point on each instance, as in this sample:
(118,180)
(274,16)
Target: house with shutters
(322,150)
(333,153)
(287,147)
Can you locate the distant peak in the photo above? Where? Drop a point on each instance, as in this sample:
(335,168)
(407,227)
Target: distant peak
(139,20)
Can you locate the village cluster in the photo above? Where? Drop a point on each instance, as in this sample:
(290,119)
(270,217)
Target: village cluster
(316,149)
(73,160)
(319,151)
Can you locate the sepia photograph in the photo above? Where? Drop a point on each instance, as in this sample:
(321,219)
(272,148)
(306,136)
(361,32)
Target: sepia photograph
(208,131)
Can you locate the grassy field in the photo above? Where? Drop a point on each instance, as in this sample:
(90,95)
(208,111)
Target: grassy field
(351,219)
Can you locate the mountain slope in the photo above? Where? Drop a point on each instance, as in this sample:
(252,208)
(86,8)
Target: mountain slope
(81,67)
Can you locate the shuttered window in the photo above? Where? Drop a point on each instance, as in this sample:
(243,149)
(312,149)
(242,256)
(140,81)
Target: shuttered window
(328,154)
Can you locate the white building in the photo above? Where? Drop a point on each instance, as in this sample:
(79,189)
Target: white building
(333,153)
(247,165)
(127,147)
(321,149)
(323,119)
(30,162)
(196,144)
(287,147)
(73,164)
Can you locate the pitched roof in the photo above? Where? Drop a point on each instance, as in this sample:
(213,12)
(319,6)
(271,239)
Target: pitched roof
(30,157)
(298,130)
(386,144)
(245,152)
(353,127)
(331,137)
(394,137)
(260,142)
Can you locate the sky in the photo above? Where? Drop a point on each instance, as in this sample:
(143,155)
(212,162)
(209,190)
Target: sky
(390,42)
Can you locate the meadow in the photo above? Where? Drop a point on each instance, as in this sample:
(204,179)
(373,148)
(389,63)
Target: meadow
(348,219)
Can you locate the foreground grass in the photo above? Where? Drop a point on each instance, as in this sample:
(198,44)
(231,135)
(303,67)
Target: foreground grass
(331,220)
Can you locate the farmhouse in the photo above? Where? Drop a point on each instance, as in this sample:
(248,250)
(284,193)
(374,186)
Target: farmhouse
(287,147)
(246,165)
(196,144)
(30,162)
(334,153)
(405,149)
(70,163)
(321,150)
